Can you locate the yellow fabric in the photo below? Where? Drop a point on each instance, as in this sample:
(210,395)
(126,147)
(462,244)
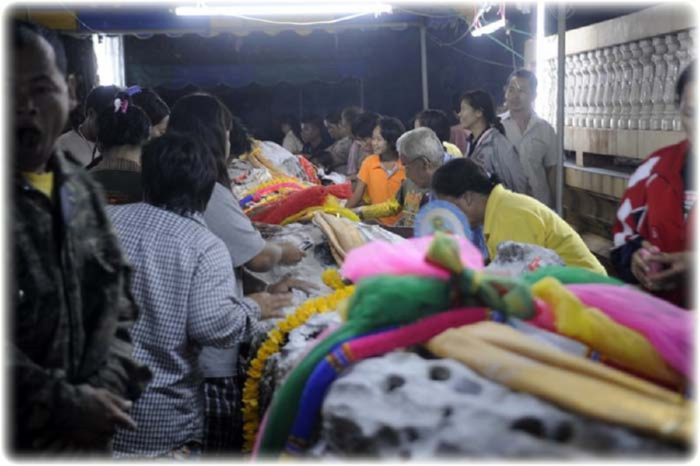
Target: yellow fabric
(380,187)
(515,217)
(570,387)
(452,149)
(257,159)
(386,208)
(341,236)
(330,206)
(42,182)
(620,345)
(512,340)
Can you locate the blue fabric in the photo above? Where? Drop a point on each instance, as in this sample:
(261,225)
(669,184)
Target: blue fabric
(479,241)
(315,391)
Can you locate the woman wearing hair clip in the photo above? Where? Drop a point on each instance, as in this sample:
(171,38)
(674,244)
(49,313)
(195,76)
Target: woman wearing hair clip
(121,132)
(509,216)
(488,145)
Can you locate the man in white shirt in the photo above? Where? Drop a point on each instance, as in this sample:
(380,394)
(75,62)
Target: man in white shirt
(80,142)
(533,137)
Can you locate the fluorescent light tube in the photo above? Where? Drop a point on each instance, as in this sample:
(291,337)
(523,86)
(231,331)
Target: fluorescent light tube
(300,9)
(489,28)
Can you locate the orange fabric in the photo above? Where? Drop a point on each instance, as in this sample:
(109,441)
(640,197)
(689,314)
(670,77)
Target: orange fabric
(380,186)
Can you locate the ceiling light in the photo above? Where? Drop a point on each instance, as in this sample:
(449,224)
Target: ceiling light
(489,28)
(287,9)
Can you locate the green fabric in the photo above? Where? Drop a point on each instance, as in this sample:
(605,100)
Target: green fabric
(568,275)
(378,301)
(509,295)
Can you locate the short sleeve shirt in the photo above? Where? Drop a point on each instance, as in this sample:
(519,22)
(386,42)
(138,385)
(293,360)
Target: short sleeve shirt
(537,147)
(381,185)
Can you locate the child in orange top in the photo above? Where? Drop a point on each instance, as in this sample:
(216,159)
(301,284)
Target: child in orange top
(381,174)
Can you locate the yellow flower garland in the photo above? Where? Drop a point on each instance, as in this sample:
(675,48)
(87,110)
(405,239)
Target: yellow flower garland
(272,345)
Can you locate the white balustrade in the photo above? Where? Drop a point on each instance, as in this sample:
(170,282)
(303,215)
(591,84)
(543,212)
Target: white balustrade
(658,83)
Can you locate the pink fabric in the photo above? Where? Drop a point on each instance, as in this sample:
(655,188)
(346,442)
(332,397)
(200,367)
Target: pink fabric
(544,317)
(668,328)
(418,332)
(403,258)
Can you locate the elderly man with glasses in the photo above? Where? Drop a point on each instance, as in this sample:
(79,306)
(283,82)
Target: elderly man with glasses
(421,153)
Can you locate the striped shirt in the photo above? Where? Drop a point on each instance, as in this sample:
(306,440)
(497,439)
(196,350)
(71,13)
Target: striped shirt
(184,284)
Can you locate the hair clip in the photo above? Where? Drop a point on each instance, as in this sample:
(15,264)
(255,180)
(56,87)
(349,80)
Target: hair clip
(133,90)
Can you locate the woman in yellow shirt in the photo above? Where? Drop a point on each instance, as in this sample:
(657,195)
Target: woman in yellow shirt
(509,216)
(381,174)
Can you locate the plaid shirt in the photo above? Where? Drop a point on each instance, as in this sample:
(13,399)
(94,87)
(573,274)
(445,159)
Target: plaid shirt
(185,285)
(72,310)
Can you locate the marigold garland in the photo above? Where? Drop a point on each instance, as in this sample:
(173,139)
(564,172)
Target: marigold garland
(332,279)
(272,345)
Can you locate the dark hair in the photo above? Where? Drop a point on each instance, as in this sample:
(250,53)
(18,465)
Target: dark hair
(460,175)
(152,104)
(525,74)
(177,174)
(205,117)
(686,76)
(481,100)
(315,120)
(333,117)
(122,128)
(437,121)
(364,124)
(101,98)
(391,130)
(293,123)
(25,32)
(241,139)
(350,114)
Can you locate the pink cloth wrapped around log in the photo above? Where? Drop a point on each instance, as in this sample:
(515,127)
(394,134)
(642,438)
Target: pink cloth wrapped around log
(404,258)
(668,328)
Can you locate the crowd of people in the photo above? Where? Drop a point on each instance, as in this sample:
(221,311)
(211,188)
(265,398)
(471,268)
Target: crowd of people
(129,242)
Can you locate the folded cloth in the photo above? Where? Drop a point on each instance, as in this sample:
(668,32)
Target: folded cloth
(668,327)
(297,201)
(404,258)
(568,275)
(619,345)
(501,354)
(342,235)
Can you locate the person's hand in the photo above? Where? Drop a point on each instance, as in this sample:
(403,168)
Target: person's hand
(291,254)
(288,283)
(105,411)
(676,266)
(642,265)
(271,305)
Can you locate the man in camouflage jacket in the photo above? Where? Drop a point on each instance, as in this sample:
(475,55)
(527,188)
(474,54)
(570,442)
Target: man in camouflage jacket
(73,376)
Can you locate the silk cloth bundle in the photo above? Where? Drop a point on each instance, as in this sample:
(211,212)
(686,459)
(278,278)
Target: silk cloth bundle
(618,344)
(505,356)
(668,327)
(342,237)
(276,212)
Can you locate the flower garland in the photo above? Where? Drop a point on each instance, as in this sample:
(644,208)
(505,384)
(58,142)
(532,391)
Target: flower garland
(274,342)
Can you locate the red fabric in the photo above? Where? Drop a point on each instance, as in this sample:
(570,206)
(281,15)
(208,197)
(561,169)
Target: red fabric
(309,169)
(656,202)
(276,212)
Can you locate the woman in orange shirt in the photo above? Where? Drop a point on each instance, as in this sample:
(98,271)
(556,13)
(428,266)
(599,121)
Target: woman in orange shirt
(381,174)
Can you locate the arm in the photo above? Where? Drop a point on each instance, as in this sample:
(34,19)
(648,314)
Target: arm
(627,239)
(217,317)
(48,410)
(357,194)
(552,181)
